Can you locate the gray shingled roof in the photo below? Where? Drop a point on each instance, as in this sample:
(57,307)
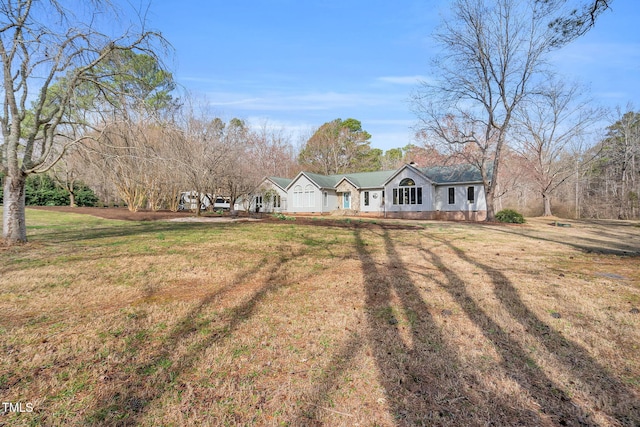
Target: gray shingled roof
(281,182)
(369,179)
(437,174)
(451,174)
(324,181)
(360,180)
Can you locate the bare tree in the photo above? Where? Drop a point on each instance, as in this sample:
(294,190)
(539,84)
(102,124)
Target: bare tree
(123,153)
(137,163)
(614,187)
(43,44)
(516,190)
(549,131)
(202,152)
(254,154)
(493,53)
(251,155)
(165,180)
(68,171)
(271,152)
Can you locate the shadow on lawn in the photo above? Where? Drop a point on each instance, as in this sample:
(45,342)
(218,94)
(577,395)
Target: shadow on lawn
(420,372)
(607,393)
(132,395)
(610,238)
(71,233)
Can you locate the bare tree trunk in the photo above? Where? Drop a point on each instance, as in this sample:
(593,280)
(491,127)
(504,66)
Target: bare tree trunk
(42,45)
(491,211)
(577,189)
(14,226)
(547,204)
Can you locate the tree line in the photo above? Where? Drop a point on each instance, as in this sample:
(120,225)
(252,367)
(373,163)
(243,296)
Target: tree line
(85,100)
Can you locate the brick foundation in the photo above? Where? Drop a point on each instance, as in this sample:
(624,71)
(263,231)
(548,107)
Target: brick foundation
(428,215)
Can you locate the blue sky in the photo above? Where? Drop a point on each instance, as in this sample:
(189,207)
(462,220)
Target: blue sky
(298,64)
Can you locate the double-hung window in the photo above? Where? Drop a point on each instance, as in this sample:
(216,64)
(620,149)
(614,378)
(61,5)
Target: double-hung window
(297,196)
(309,195)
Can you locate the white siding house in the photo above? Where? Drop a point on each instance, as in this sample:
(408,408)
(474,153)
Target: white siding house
(446,192)
(372,201)
(409,192)
(312,193)
(460,197)
(270,196)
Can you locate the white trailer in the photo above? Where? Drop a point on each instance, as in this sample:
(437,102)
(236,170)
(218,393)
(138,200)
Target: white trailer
(189,200)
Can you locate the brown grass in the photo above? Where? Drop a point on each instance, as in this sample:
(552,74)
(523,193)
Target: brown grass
(321,323)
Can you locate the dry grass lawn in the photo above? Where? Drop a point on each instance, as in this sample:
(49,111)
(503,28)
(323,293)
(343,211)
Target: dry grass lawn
(354,323)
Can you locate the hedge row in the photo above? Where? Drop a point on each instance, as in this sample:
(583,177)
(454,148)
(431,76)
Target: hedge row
(42,190)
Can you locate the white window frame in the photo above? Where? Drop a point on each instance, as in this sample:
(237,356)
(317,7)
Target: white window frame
(297,196)
(309,195)
(409,194)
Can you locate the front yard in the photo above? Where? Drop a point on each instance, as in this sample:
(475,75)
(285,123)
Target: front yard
(320,322)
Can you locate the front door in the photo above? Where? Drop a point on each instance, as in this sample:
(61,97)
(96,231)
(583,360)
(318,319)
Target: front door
(346,200)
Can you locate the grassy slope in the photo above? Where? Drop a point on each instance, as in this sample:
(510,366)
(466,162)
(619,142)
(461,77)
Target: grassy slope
(124,323)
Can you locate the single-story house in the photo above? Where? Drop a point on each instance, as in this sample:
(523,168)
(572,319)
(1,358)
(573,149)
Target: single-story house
(270,196)
(443,192)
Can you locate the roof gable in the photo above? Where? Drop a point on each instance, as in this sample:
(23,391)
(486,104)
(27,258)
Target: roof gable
(283,183)
(320,181)
(345,178)
(324,181)
(411,168)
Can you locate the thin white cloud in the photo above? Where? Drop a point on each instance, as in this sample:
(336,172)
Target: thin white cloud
(233,102)
(403,80)
(304,102)
(615,96)
(290,126)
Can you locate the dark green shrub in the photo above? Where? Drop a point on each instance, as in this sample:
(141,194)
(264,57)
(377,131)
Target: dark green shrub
(42,190)
(510,216)
(85,196)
